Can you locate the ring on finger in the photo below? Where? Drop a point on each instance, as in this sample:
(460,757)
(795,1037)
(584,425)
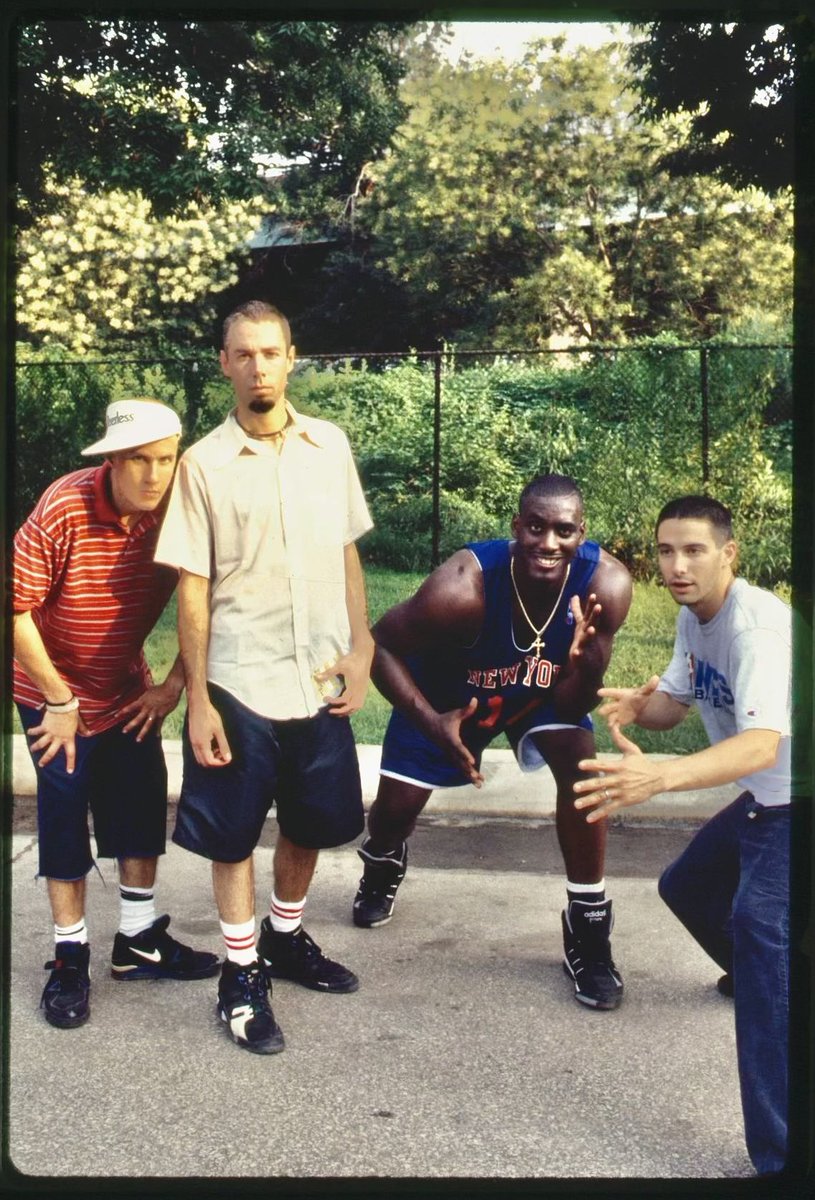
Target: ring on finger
(606,795)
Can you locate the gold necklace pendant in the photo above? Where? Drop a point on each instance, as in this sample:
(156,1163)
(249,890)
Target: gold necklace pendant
(538,643)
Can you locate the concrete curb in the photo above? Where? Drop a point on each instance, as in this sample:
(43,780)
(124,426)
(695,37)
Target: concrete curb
(507,792)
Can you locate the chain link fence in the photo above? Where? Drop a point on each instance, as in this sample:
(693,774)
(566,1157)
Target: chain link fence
(445,439)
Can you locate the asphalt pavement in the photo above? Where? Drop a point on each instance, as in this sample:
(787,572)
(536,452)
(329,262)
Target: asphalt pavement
(462,1057)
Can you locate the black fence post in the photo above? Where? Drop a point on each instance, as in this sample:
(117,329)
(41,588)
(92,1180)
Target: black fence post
(703,380)
(435,553)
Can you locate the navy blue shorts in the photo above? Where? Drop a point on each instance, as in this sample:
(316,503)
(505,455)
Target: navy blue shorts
(307,767)
(409,755)
(121,781)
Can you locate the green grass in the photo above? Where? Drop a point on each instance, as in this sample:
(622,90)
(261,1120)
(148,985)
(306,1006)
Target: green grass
(642,648)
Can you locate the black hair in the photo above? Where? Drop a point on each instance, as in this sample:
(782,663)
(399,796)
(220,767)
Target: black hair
(699,508)
(550,486)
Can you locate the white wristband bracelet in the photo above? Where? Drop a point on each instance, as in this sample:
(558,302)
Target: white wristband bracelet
(67,706)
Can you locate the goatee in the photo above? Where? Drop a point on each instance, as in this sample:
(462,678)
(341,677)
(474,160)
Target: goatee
(261,406)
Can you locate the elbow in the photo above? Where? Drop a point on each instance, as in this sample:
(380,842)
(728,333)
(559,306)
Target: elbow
(768,752)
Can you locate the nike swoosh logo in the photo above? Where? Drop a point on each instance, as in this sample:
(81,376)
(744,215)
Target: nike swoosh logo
(150,955)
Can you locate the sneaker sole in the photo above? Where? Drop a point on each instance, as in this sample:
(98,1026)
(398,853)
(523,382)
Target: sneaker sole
(66,1022)
(128,974)
(343,989)
(591,1001)
(363,923)
(271,1046)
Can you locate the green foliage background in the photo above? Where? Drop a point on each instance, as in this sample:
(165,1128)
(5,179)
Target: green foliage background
(626,424)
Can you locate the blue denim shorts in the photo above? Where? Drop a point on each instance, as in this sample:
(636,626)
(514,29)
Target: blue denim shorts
(122,782)
(308,768)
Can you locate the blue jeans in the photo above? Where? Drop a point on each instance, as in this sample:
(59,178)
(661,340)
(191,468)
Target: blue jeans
(730,889)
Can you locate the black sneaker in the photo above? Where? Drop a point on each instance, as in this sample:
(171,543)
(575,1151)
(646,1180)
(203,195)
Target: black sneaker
(374,901)
(153,954)
(65,996)
(587,958)
(725,985)
(243,1006)
(296,956)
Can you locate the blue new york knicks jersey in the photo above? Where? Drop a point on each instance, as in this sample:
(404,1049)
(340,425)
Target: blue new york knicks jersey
(508,679)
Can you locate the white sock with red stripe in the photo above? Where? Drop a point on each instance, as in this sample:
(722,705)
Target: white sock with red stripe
(240,941)
(286,915)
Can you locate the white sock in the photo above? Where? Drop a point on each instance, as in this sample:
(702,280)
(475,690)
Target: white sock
(240,941)
(137,909)
(590,892)
(286,915)
(72,933)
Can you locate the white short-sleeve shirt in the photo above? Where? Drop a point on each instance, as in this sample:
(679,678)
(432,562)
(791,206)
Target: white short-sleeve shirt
(269,530)
(737,670)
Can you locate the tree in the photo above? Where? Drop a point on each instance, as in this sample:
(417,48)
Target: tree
(736,80)
(521,201)
(190,110)
(103,272)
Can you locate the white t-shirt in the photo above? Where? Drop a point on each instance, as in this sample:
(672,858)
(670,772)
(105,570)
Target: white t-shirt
(269,531)
(737,670)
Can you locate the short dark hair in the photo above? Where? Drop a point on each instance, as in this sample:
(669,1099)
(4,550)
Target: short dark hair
(699,508)
(255,310)
(549,486)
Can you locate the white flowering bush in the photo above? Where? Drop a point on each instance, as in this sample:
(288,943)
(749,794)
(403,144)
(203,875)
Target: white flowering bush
(102,272)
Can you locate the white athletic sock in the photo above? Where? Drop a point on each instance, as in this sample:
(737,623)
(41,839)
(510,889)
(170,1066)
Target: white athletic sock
(286,915)
(589,892)
(240,941)
(137,909)
(72,933)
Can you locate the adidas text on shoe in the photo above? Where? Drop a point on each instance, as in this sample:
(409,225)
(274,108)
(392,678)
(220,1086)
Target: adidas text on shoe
(297,957)
(587,957)
(65,998)
(376,896)
(243,1006)
(154,954)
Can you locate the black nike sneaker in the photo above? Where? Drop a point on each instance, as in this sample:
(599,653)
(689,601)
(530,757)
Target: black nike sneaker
(153,954)
(297,957)
(65,998)
(243,1006)
(374,901)
(587,957)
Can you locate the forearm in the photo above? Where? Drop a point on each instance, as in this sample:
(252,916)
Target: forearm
(662,712)
(748,752)
(175,676)
(193,633)
(31,654)
(575,692)
(397,685)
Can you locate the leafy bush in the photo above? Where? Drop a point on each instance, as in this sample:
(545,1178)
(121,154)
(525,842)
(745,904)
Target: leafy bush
(60,409)
(626,424)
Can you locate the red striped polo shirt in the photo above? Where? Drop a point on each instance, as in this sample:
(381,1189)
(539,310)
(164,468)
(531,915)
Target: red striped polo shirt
(94,593)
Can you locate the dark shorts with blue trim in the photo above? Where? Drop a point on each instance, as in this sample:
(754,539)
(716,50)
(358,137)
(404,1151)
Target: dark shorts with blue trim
(409,755)
(308,768)
(122,782)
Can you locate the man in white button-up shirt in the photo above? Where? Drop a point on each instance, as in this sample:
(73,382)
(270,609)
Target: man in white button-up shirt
(277,652)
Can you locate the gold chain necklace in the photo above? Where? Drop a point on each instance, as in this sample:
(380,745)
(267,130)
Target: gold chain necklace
(538,644)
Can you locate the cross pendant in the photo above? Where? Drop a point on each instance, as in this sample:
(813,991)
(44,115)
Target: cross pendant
(538,644)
